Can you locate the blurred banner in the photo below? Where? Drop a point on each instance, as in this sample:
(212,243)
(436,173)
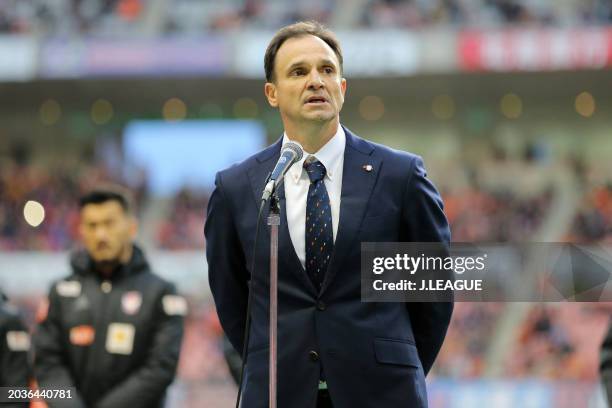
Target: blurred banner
(18,58)
(367,53)
(535,49)
(182,56)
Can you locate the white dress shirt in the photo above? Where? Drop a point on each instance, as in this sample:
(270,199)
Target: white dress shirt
(296,189)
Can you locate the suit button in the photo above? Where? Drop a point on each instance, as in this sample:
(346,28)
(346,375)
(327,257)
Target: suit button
(321,305)
(314,356)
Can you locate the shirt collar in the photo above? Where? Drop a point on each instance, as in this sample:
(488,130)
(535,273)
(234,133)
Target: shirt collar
(329,155)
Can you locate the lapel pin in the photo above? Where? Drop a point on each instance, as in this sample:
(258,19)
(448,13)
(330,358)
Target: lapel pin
(368,167)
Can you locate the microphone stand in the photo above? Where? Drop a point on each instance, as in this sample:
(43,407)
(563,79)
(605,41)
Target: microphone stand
(273,222)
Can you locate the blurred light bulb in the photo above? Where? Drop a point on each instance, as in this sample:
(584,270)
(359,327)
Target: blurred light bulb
(585,104)
(101,111)
(174,109)
(245,108)
(34,213)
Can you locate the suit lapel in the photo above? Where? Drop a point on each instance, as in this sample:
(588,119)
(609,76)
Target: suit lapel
(258,173)
(357,186)
(286,252)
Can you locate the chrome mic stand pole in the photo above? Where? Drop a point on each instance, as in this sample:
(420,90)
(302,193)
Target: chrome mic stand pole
(273,222)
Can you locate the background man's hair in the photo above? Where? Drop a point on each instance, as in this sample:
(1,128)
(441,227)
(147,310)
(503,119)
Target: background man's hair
(108,192)
(299,29)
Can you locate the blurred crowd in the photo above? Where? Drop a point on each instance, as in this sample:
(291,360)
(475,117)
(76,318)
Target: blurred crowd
(126,17)
(416,14)
(550,345)
(477,215)
(546,341)
(70,17)
(593,222)
(468,339)
(57,188)
(183,228)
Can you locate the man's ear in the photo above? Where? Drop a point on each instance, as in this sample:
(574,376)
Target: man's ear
(270,92)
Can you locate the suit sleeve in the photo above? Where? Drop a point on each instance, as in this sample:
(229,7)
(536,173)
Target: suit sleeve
(227,271)
(605,367)
(50,366)
(13,358)
(147,384)
(424,221)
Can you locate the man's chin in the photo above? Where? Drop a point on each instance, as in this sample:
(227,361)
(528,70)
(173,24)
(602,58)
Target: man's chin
(320,116)
(105,261)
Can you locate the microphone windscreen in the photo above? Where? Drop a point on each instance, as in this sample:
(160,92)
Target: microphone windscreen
(299,153)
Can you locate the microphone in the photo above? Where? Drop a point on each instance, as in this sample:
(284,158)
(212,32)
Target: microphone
(290,153)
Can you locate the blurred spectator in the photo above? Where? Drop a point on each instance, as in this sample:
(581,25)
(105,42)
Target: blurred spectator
(594,219)
(183,226)
(550,345)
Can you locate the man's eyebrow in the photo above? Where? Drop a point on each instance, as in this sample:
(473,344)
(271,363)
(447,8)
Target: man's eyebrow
(301,63)
(329,62)
(296,65)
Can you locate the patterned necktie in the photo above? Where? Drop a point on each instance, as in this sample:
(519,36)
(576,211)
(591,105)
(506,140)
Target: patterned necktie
(319,228)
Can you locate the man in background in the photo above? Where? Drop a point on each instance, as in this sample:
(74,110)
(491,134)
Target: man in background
(113,329)
(14,347)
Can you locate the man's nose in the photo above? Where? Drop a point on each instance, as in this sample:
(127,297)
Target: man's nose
(100,233)
(315,81)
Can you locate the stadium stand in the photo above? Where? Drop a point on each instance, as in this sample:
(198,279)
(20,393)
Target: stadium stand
(113,17)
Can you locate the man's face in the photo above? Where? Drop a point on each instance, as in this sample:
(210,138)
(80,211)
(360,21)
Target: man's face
(106,230)
(308,85)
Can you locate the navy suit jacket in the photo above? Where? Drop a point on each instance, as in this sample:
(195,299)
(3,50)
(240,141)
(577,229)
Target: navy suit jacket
(372,354)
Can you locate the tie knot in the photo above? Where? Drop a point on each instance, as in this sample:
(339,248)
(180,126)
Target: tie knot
(316,170)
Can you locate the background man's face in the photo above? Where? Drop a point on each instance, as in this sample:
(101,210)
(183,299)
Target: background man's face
(308,84)
(106,230)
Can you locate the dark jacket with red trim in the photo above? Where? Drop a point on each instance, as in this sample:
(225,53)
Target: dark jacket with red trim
(117,341)
(14,346)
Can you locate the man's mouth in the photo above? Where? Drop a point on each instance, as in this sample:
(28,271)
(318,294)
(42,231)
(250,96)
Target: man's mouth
(316,100)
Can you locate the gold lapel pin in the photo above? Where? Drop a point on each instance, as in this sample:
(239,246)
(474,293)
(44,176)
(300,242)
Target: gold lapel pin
(368,167)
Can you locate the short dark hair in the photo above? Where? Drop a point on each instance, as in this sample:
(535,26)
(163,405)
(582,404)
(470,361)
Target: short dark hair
(108,192)
(299,29)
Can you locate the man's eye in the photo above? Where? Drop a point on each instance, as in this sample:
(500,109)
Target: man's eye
(297,72)
(328,70)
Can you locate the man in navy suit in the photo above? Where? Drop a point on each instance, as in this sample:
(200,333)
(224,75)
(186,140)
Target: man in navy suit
(333,349)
